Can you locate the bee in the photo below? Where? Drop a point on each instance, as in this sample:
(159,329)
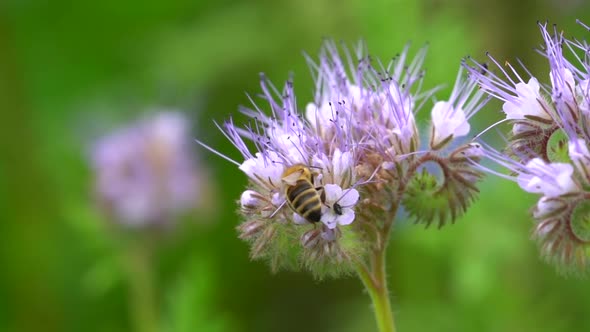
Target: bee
(301,195)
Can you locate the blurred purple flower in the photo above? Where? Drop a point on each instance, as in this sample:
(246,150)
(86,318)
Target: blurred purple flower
(145,173)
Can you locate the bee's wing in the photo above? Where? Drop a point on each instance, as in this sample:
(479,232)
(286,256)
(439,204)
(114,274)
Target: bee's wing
(292,178)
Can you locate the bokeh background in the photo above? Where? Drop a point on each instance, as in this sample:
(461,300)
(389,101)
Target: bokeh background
(72,71)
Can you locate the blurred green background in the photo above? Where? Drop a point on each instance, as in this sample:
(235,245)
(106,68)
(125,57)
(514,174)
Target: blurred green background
(71,71)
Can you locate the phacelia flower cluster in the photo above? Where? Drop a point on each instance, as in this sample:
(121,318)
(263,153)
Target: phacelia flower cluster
(145,173)
(548,147)
(327,180)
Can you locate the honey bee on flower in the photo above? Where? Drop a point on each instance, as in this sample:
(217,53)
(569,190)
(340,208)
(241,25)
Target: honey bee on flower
(326,180)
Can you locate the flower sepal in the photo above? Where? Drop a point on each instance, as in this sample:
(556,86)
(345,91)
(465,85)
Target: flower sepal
(272,241)
(331,253)
(439,144)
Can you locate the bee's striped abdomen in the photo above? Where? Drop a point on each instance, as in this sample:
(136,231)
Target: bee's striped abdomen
(305,200)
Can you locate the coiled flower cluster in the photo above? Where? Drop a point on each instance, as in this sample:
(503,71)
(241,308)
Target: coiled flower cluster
(360,143)
(548,148)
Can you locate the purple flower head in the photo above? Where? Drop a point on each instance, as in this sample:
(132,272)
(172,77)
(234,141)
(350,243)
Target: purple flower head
(144,173)
(548,148)
(375,106)
(322,176)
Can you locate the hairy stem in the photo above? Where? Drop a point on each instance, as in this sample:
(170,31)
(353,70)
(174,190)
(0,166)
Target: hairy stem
(375,278)
(376,284)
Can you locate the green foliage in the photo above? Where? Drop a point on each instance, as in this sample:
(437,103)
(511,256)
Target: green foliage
(192,300)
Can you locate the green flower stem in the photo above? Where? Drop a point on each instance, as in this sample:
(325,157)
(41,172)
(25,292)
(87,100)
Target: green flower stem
(142,301)
(376,284)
